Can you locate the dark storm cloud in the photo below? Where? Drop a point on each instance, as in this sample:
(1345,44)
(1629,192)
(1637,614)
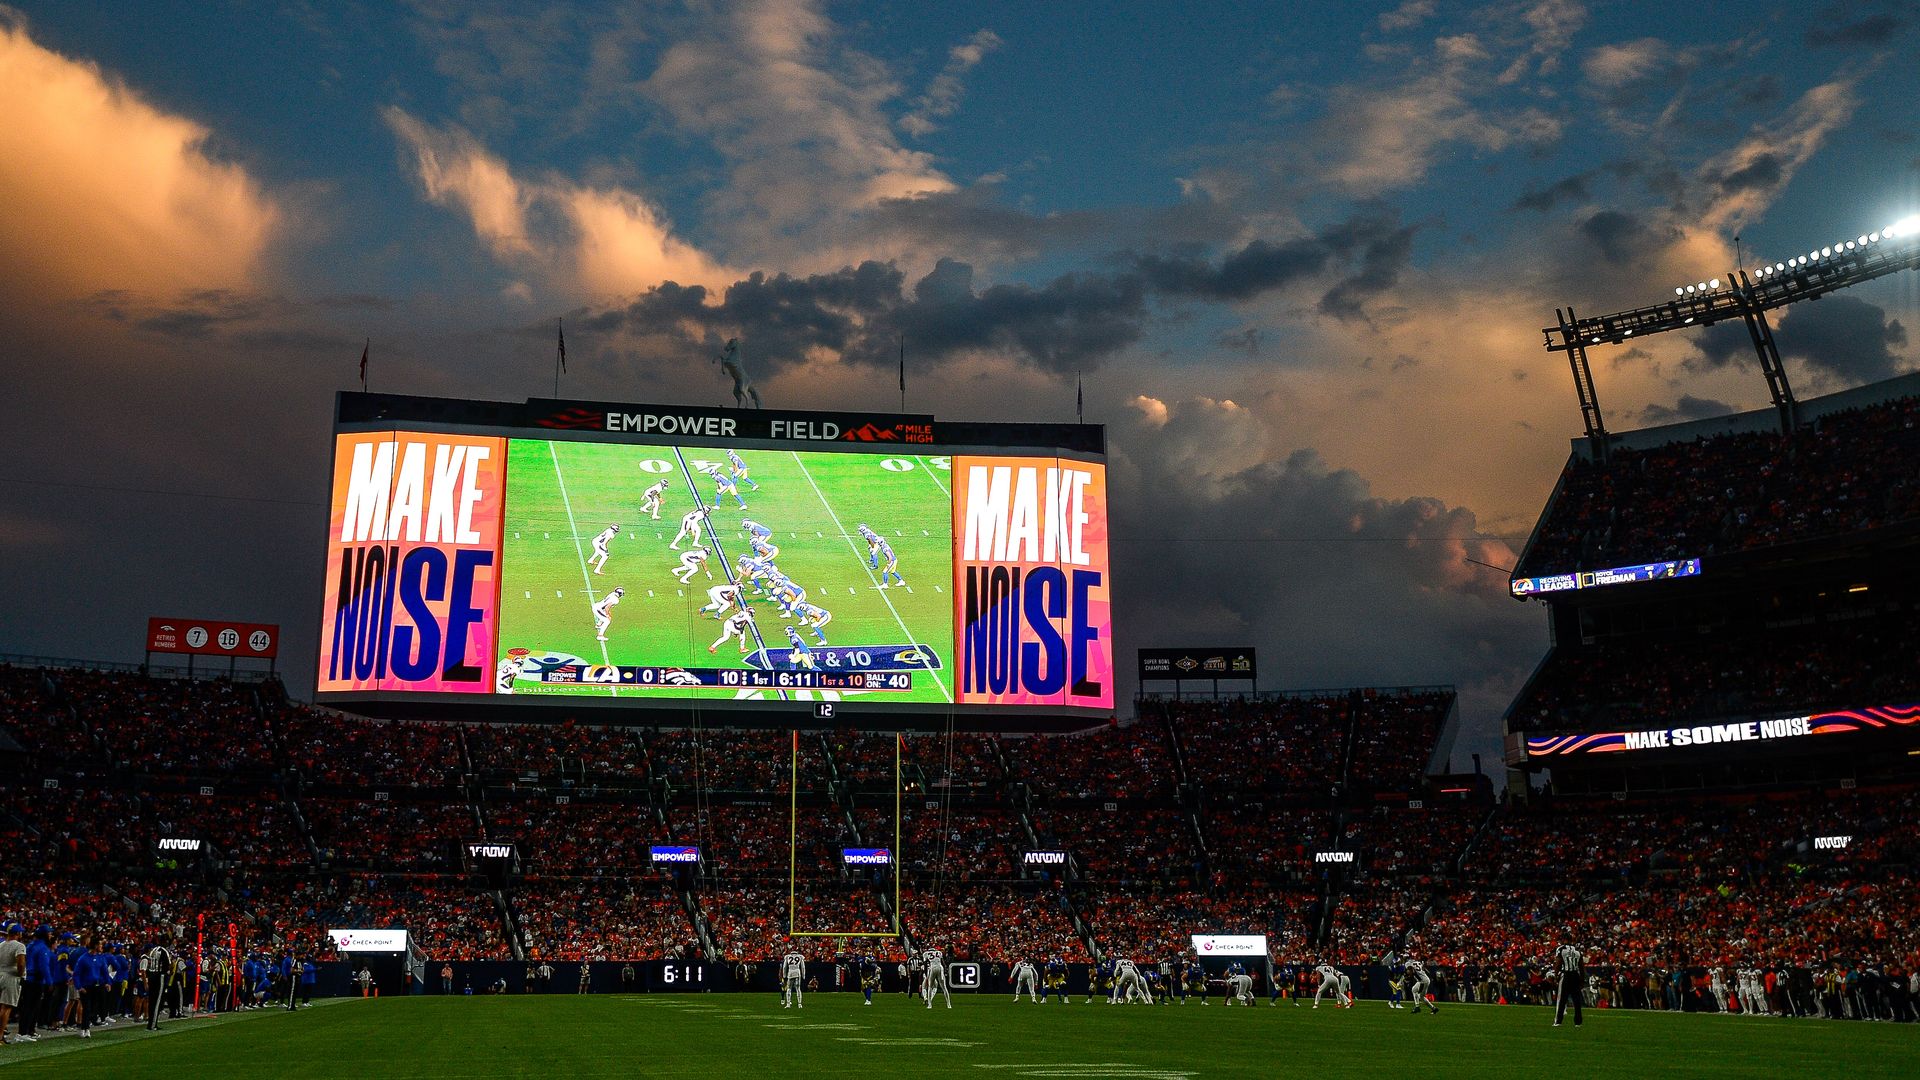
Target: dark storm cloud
(1575,188)
(1844,339)
(1625,239)
(1687,408)
(1721,345)
(1071,322)
(1851,26)
(1839,340)
(1763,173)
(1214,543)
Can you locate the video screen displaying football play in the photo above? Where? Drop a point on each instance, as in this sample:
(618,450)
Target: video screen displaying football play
(600,568)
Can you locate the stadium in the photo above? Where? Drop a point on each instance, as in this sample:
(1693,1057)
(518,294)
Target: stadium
(665,738)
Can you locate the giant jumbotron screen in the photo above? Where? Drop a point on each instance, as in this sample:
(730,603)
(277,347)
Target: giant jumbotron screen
(577,554)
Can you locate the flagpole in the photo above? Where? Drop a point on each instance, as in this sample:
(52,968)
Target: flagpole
(903,373)
(559,356)
(364,350)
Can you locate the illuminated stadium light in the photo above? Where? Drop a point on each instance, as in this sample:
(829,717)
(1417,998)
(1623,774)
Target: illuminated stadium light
(1714,284)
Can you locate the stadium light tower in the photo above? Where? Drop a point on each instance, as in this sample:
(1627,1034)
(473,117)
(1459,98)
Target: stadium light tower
(1742,295)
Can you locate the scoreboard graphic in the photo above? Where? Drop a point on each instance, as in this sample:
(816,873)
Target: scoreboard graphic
(640,555)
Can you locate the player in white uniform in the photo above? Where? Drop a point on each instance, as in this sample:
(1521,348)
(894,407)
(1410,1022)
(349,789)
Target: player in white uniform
(934,979)
(692,562)
(1026,980)
(1717,983)
(1419,985)
(1126,982)
(1240,989)
(509,670)
(650,499)
(793,973)
(739,624)
(601,544)
(690,526)
(721,599)
(1330,979)
(603,612)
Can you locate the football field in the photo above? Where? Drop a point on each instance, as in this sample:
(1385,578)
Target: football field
(749,1035)
(562,495)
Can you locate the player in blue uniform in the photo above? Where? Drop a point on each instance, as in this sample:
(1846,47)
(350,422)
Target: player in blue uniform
(787,593)
(760,539)
(884,560)
(755,572)
(801,655)
(723,485)
(869,973)
(1054,980)
(813,617)
(739,469)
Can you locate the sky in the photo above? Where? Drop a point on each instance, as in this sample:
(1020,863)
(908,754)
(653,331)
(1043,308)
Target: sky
(1298,255)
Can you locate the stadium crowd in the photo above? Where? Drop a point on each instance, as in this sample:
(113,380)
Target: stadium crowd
(1159,849)
(1732,492)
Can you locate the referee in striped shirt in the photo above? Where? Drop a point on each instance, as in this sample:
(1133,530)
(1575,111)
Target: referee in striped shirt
(1570,963)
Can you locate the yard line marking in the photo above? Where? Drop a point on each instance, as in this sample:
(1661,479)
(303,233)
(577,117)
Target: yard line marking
(937,588)
(719,551)
(558,595)
(931,476)
(574,527)
(527,595)
(937,680)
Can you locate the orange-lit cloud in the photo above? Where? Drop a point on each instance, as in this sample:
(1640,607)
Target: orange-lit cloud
(104,191)
(581,242)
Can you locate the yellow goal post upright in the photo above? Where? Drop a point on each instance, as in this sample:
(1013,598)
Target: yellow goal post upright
(793,849)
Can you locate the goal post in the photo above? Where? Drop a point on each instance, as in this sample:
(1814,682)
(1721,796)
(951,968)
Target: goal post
(793,848)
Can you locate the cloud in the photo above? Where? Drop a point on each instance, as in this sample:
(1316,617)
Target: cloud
(1407,16)
(1628,239)
(1377,139)
(1742,181)
(1687,408)
(1843,340)
(105,191)
(1072,321)
(799,120)
(1848,26)
(585,242)
(943,94)
(1220,538)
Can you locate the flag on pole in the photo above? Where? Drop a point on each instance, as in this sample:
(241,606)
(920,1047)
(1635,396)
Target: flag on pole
(563,345)
(1079,400)
(364,349)
(903,373)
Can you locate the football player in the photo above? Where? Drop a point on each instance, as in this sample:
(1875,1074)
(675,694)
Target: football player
(650,499)
(723,485)
(798,652)
(692,562)
(793,973)
(721,598)
(813,617)
(603,612)
(601,544)
(739,625)
(739,470)
(1026,980)
(690,526)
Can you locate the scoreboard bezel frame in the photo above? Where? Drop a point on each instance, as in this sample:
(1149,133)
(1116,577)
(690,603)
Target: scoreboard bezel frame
(360,413)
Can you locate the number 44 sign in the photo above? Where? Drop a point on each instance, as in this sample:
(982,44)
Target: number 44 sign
(213,637)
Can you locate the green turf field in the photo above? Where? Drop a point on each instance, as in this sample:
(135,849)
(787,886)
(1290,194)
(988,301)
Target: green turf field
(578,1038)
(561,494)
